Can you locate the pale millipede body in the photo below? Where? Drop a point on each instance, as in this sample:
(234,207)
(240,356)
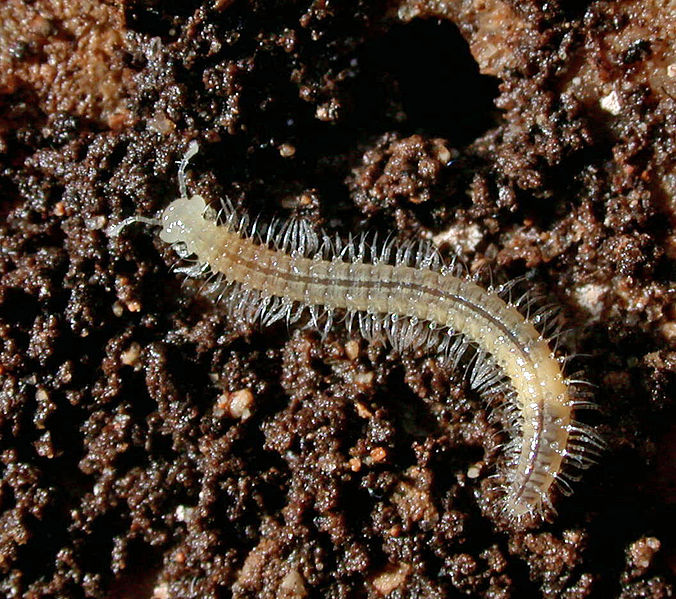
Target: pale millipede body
(404,295)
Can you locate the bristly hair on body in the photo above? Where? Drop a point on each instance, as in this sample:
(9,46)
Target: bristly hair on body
(407,296)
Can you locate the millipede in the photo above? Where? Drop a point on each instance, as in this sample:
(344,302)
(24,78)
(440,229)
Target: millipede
(406,295)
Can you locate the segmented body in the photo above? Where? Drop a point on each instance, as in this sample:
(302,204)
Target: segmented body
(405,296)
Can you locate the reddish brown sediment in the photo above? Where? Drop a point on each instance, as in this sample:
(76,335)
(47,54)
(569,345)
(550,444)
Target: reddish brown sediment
(65,58)
(149,440)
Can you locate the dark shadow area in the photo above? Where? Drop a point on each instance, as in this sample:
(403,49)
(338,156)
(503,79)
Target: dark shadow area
(159,18)
(436,78)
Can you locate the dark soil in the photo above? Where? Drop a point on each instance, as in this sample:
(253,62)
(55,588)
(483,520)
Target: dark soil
(151,447)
